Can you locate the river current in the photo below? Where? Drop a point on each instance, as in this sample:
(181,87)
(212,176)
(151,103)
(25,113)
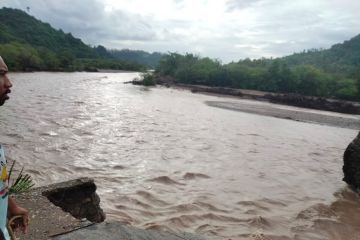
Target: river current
(164,159)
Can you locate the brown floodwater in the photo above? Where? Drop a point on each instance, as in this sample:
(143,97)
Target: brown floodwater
(166,159)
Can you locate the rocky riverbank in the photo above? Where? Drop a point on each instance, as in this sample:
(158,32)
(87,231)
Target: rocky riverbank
(52,208)
(71,210)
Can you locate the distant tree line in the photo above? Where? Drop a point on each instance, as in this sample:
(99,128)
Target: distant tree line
(150,60)
(273,75)
(28,44)
(24,57)
(331,73)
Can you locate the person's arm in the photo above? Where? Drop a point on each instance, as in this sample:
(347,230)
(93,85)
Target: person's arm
(14,210)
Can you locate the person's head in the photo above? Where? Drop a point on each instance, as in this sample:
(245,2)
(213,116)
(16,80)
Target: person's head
(5,83)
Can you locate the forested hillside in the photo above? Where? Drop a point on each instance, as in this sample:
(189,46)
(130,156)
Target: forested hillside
(340,59)
(29,44)
(148,59)
(333,73)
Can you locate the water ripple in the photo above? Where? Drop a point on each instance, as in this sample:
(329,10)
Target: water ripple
(166,159)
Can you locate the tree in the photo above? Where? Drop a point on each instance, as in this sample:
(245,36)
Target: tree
(66,58)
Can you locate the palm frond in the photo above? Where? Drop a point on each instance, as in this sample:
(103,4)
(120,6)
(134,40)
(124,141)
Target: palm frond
(23,183)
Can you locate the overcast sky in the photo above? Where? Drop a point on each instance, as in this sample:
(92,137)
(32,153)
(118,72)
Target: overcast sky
(224,29)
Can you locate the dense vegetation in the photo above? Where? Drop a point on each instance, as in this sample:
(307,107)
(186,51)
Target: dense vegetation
(148,59)
(29,44)
(333,73)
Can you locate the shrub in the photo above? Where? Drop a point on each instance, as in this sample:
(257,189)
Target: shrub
(148,79)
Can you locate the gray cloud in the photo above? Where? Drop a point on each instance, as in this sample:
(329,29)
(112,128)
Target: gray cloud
(240,4)
(227,29)
(88,20)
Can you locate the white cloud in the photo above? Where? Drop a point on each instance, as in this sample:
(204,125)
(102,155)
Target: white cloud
(223,29)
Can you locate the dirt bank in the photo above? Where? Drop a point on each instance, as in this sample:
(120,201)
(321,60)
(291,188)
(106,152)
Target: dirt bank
(303,115)
(291,99)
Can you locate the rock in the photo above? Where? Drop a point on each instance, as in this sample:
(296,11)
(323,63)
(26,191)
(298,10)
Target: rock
(46,219)
(77,197)
(351,166)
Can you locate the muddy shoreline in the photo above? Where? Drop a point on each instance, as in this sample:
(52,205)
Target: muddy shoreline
(335,120)
(303,114)
(346,114)
(289,99)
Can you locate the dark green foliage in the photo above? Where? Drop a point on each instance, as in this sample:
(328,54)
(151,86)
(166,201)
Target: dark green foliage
(102,52)
(330,73)
(26,29)
(149,59)
(28,44)
(148,79)
(343,59)
(22,183)
(21,56)
(169,63)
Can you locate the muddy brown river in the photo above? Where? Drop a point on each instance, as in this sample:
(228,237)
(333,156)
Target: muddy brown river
(166,159)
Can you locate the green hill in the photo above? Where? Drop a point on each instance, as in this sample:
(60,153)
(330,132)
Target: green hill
(331,73)
(148,59)
(342,58)
(29,44)
(16,25)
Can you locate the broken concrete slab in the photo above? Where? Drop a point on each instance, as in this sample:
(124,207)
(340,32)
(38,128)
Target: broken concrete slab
(46,219)
(118,231)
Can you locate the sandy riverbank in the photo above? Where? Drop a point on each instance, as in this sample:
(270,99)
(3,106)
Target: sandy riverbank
(323,111)
(289,99)
(330,112)
(297,114)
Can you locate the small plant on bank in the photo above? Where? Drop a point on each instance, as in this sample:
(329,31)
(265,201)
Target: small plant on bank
(148,79)
(22,183)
